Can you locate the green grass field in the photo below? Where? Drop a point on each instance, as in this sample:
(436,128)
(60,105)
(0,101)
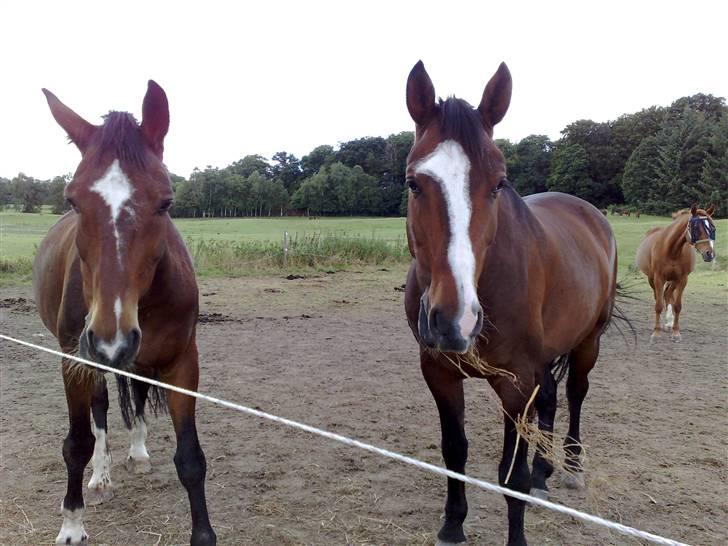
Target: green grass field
(242,239)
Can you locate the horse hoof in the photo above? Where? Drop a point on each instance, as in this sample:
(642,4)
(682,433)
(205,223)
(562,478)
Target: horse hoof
(98,495)
(653,337)
(203,538)
(138,466)
(574,480)
(73,536)
(676,338)
(443,543)
(539,493)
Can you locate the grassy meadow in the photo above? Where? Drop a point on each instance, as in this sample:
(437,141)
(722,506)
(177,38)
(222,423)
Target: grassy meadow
(240,246)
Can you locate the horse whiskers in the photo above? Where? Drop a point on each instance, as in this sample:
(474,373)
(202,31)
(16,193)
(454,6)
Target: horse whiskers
(77,372)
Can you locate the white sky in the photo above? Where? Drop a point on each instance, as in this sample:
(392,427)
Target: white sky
(264,76)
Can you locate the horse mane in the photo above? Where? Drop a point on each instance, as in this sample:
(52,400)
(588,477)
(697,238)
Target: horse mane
(461,122)
(120,134)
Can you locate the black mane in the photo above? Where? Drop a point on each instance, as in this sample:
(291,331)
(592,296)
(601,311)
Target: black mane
(120,134)
(461,122)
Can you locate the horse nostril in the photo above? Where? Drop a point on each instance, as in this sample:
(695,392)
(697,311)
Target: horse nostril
(133,339)
(436,321)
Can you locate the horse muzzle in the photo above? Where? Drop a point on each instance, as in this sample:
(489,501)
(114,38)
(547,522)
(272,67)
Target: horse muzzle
(708,255)
(118,353)
(437,331)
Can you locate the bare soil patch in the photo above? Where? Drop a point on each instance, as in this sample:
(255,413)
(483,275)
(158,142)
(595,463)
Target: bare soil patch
(334,351)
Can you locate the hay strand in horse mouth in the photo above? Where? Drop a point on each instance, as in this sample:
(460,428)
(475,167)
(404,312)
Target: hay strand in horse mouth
(542,441)
(473,359)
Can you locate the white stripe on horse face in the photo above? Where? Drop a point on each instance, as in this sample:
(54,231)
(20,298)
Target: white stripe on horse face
(449,166)
(115,189)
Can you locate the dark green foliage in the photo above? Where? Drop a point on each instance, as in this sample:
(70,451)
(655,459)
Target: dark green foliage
(655,160)
(56,198)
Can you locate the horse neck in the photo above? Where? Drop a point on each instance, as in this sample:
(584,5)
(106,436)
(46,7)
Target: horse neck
(675,237)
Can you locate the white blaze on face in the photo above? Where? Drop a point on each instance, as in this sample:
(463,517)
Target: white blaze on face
(449,166)
(72,531)
(101,461)
(115,189)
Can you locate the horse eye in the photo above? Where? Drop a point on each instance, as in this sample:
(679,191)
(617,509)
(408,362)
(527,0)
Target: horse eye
(72,204)
(164,207)
(498,186)
(414,188)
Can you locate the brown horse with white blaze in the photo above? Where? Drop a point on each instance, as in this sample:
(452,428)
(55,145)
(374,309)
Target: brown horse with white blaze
(114,282)
(524,282)
(666,257)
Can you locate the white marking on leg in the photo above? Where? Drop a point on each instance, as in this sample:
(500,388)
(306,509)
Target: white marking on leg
(138,458)
(669,317)
(72,531)
(115,189)
(449,165)
(101,461)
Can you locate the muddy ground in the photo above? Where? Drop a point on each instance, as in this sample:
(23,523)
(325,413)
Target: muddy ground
(334,351)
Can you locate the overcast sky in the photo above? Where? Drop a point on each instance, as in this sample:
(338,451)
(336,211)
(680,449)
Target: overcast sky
(264,76)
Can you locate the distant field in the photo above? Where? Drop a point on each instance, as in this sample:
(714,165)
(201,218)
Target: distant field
(20,233)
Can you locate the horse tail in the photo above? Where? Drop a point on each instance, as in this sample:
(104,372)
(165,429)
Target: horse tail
(668,291)
(155,398)
(624,293)
(559,367)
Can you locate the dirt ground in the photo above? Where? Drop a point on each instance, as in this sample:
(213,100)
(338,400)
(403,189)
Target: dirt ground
(334,351)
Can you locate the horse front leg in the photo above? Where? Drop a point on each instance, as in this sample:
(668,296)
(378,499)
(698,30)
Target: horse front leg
(77,449)
(513,469)
(189,458)
(658,286)
(546,408)
(138,460)
(446,386)
(677,308)
(100,488)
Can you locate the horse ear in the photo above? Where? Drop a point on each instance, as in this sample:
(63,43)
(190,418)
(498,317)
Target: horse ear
(78,129)
(155,118)
(711,210)
(496,98)
(694,209)
(420,95)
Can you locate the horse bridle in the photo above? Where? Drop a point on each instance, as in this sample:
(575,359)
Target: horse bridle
(692,231)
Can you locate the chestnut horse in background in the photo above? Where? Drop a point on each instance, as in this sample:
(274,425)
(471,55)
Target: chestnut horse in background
(523,283)
(114,282)
(665,256)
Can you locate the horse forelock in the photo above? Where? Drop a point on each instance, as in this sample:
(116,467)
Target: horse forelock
(460,122)
(120,136)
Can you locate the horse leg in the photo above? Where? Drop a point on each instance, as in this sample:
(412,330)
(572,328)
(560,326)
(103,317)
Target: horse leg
(669,301)
(137,461)
(189,458)
(447,390)
(513,468)
(658,288)
(77,449)
(581,361)
(677,307)
(546,408)
(100,488)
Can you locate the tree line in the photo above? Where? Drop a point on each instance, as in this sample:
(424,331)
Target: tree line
(656,160)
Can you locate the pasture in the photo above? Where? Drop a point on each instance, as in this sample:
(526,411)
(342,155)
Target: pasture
(333,350)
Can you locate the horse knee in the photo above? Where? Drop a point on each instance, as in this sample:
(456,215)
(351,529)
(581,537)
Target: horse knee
(455,451)
(520,478)
(191,465)
(77,451)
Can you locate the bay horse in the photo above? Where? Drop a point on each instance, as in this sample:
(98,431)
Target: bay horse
(524,283)
(666,257)
(114,282)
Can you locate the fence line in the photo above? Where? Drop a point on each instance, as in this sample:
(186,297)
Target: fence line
(624,529)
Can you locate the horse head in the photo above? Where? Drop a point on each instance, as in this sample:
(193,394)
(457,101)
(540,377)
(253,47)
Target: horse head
(455,173)
(120,195)
(700,232)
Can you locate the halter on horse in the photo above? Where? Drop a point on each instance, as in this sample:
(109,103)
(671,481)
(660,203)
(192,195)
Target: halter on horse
(522,284)
(114,281)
